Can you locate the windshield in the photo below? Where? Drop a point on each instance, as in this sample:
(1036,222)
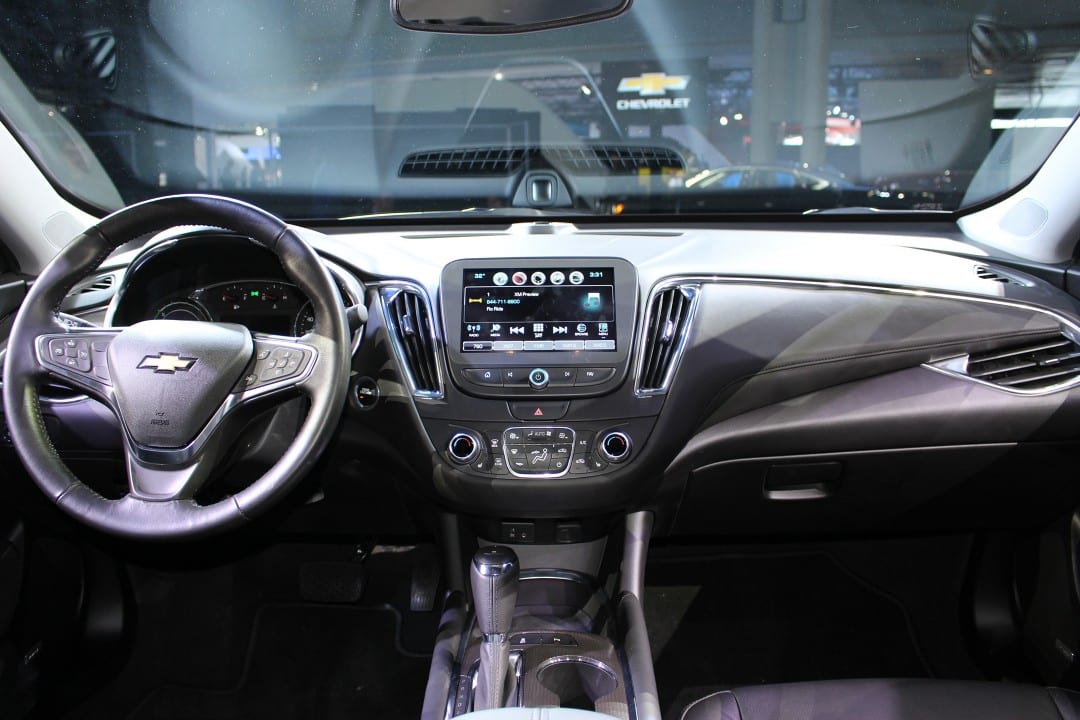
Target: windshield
(328,109)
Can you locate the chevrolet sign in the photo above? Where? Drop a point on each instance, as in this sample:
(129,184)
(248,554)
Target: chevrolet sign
(166,363)
(651,89)
(652,84)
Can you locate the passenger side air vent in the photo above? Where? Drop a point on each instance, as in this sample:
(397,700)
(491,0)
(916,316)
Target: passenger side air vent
(987,273)
(414,333)
(665,328)
(1034,367)
(574,159)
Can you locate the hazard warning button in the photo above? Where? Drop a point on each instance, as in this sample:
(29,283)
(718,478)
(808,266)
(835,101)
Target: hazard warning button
(541,411)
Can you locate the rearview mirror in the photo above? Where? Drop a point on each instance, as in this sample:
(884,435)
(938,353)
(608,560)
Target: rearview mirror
(501,16)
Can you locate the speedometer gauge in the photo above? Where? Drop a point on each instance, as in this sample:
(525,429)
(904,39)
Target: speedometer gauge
(305,320)
(182,310)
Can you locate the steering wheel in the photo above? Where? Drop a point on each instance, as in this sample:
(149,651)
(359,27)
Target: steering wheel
(181,390)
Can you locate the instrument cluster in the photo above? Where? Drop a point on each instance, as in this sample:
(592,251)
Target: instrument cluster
(263,306)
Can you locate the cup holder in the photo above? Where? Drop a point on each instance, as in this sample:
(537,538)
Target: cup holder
(577,680)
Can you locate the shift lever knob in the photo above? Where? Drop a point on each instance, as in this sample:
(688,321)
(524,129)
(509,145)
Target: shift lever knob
(494,577)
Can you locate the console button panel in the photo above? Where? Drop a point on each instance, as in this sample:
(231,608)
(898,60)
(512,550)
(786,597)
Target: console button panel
(524,452)
(539,379)
(538,451)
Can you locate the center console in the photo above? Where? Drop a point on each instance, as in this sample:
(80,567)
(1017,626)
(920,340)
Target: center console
(540,439)
(539,359)
(547,638)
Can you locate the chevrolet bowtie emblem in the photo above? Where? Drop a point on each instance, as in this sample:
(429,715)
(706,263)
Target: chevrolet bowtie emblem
(166,363)
(653,84)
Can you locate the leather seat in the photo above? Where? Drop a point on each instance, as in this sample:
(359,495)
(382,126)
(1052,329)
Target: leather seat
(888,700)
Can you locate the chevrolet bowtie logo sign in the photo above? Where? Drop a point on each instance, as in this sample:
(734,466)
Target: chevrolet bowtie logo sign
(653,84)
(166,363)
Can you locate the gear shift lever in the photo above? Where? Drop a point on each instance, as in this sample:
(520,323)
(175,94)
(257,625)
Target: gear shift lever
(494,578)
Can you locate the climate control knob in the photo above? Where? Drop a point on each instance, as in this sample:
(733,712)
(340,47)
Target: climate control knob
(463,448)
(614,446)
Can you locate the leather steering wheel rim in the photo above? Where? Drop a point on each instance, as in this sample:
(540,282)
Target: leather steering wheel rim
(324,381)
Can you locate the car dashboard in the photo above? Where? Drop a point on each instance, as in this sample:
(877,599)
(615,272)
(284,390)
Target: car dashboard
(541,378)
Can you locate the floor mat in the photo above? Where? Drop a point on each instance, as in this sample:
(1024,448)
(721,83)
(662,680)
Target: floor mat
(769,618)
(308,661)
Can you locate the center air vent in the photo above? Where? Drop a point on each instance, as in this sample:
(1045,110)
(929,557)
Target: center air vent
(411,326)
(574,159)
(665,328)
(1033,367)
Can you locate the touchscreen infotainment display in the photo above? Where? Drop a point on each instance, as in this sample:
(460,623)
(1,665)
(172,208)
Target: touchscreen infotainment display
(538,309)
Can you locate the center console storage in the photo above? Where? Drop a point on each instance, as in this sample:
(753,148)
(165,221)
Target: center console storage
(572,643)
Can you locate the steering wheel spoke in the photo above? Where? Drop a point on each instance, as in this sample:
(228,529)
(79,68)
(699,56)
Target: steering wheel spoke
(170,478)
(79,357)
(279,365)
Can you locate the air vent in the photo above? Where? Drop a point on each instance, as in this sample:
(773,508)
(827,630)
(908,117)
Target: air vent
(614,159)
(98,284)
(465,161)
(987,273)
(665,329)
(574,159)
(412,328)
(1034,367)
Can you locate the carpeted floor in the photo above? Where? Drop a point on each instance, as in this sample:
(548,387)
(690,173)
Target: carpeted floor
(245,640)
(730,620)
(308,661)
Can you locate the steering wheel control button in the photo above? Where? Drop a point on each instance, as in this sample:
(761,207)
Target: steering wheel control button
(615,446)
(491,377)
(274,363)
(593,376)
(539,378)
(463,448)
(539,410)
(71,353)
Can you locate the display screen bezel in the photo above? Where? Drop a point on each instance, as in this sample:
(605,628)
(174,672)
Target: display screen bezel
(560,318)
(451,297)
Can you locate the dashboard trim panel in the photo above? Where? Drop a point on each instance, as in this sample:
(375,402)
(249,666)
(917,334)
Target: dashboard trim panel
(1070,327)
